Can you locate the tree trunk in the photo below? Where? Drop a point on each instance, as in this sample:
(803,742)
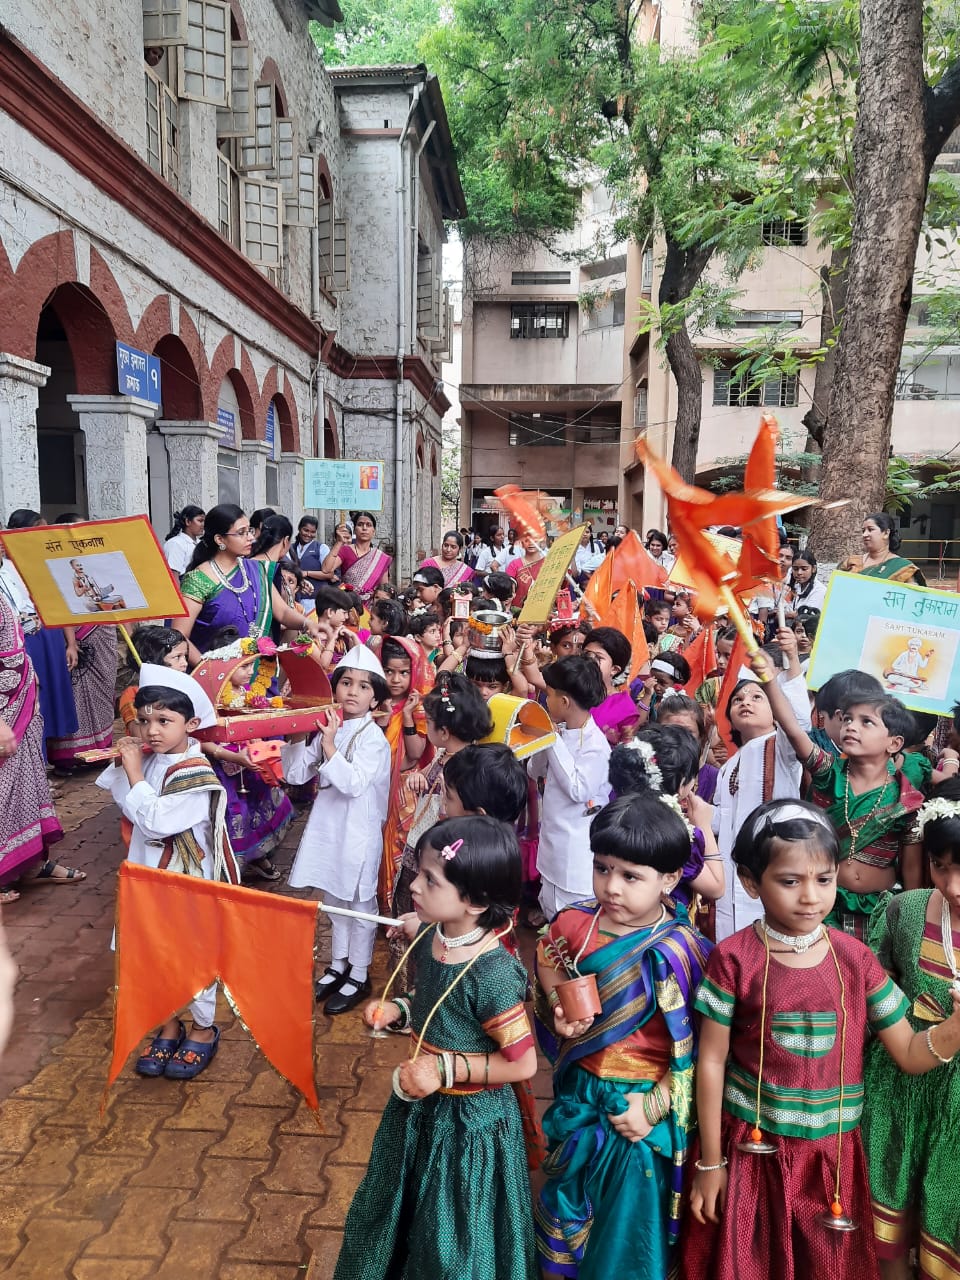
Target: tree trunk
(833,299)
(891,184)
(682,269)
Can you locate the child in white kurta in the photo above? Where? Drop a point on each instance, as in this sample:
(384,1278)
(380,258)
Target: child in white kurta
(764,768)
(343,842)
(577,783)
(177,809)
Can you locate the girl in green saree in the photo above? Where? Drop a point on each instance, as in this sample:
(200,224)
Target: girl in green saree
(623,1081)
(881,542)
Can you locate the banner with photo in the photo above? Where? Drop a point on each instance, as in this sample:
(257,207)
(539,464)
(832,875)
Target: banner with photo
(906,636)
(96,571)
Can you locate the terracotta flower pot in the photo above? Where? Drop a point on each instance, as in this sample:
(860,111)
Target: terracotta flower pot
(579,997)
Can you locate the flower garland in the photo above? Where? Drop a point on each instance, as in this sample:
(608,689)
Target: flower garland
(263,649)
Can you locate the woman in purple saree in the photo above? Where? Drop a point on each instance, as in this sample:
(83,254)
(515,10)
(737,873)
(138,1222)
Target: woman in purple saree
(363,566)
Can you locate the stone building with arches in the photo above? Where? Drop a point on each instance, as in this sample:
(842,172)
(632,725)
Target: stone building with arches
(186,178)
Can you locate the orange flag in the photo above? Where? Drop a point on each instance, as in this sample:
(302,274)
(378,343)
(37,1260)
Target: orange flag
(701,654)
(523,509)
(631,560)
(598,593)
(760,558)
(176,934)
(738,659)
(626,614)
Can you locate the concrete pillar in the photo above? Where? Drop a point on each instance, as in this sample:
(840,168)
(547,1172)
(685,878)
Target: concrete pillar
(291,486)
(192,451)
(254,455)
(20,383)
(115,428)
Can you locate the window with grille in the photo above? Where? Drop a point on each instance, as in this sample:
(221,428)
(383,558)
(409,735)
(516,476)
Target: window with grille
(533,430)
(540,277)
(594,430)
(164,23)
(163,128)
(640,407)
(259,151)
(236,121)
(298,178)
(764,319)
(260,222)
(780,391)
(646,271)
(333,247)
(540,320)
(782,231)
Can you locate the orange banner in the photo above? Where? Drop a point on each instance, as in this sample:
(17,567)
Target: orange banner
(701,654)
(731,677)
(176,934)
(626,614)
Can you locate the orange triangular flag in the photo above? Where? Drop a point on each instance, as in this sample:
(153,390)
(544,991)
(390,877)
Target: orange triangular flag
(701,654)
(626,615)
(631,560)
(731,677)
(522,509)
(176,934)
(598,593)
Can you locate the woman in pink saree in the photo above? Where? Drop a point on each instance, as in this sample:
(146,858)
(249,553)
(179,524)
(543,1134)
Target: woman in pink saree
(363,566)
(448,561)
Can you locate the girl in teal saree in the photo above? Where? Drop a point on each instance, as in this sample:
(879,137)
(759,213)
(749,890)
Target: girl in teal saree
(623,1081)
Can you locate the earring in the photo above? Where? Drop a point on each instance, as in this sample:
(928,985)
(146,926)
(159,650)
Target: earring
(220,545)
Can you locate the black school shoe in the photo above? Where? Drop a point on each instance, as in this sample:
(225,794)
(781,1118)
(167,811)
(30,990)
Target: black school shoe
(329,983)
(340,1003)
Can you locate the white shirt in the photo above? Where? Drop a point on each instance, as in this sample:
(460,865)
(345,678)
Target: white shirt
(15,589)
(733,804)
(155,817)
(343,840)
(487,555)
(179,552)
(586,560)
(577,778)
(814,600)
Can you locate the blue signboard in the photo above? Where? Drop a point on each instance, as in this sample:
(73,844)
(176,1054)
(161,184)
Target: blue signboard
(227,422)
(342,484)
(272,430)
(138,374)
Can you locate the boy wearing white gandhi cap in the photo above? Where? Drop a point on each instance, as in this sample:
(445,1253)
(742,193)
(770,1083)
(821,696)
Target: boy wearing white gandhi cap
(177,810)
(343,841)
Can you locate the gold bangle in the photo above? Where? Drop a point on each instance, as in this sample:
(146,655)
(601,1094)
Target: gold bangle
(939,1056)
(552,998)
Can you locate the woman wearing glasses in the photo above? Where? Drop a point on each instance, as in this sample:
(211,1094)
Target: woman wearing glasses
(223,588)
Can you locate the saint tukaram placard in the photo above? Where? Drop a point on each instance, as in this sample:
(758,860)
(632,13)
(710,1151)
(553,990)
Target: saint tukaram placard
(553,569)
(906,636)
(97,571)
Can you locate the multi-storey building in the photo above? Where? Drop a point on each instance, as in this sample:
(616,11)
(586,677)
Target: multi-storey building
(184,178)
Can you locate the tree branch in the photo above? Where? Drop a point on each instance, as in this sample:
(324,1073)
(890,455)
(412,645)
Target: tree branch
(942,113)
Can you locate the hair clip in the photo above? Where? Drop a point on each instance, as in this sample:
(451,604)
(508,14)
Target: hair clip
(450,851)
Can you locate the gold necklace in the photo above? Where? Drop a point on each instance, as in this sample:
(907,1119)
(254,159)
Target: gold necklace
(855,828)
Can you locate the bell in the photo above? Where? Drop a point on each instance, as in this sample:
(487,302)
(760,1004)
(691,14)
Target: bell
(837,1220)
(757,1145)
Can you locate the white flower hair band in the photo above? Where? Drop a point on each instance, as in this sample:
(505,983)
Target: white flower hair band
(650,766)
(934,810)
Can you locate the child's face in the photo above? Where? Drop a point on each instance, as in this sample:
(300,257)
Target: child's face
(334,617)
(570,645)
(489,687)
(804,643)
(431,636)
(660,620)
(750,712)
(683,720)
(786,559)
(289,581)
(428,594)
(452,804)
(864,736)
(354,693)
(681,608)
(724,650)
(629,894)
(165,732)
(945,874)
(798,888)
(376,625)
(243,674)
(662,681)
(397,672)
(434,897)
(802,571)
(603,660)
(176,659)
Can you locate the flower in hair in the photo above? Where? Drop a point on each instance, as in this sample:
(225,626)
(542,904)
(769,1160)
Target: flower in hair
(450,851)
(934,811)
(649,756)
(673,803)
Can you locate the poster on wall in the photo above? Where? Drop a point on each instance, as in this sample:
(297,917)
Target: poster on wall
(97,571)
(906,636)
(343,484)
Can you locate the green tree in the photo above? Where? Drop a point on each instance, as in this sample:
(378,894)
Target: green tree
(375,33)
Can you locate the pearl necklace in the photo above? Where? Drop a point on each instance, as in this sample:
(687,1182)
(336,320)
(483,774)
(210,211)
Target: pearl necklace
(225,581)
(798,945)
(465,940)
(946,937)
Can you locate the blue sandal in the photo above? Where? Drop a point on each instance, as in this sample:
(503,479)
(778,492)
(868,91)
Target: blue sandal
(154,1061)
(191,1058)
